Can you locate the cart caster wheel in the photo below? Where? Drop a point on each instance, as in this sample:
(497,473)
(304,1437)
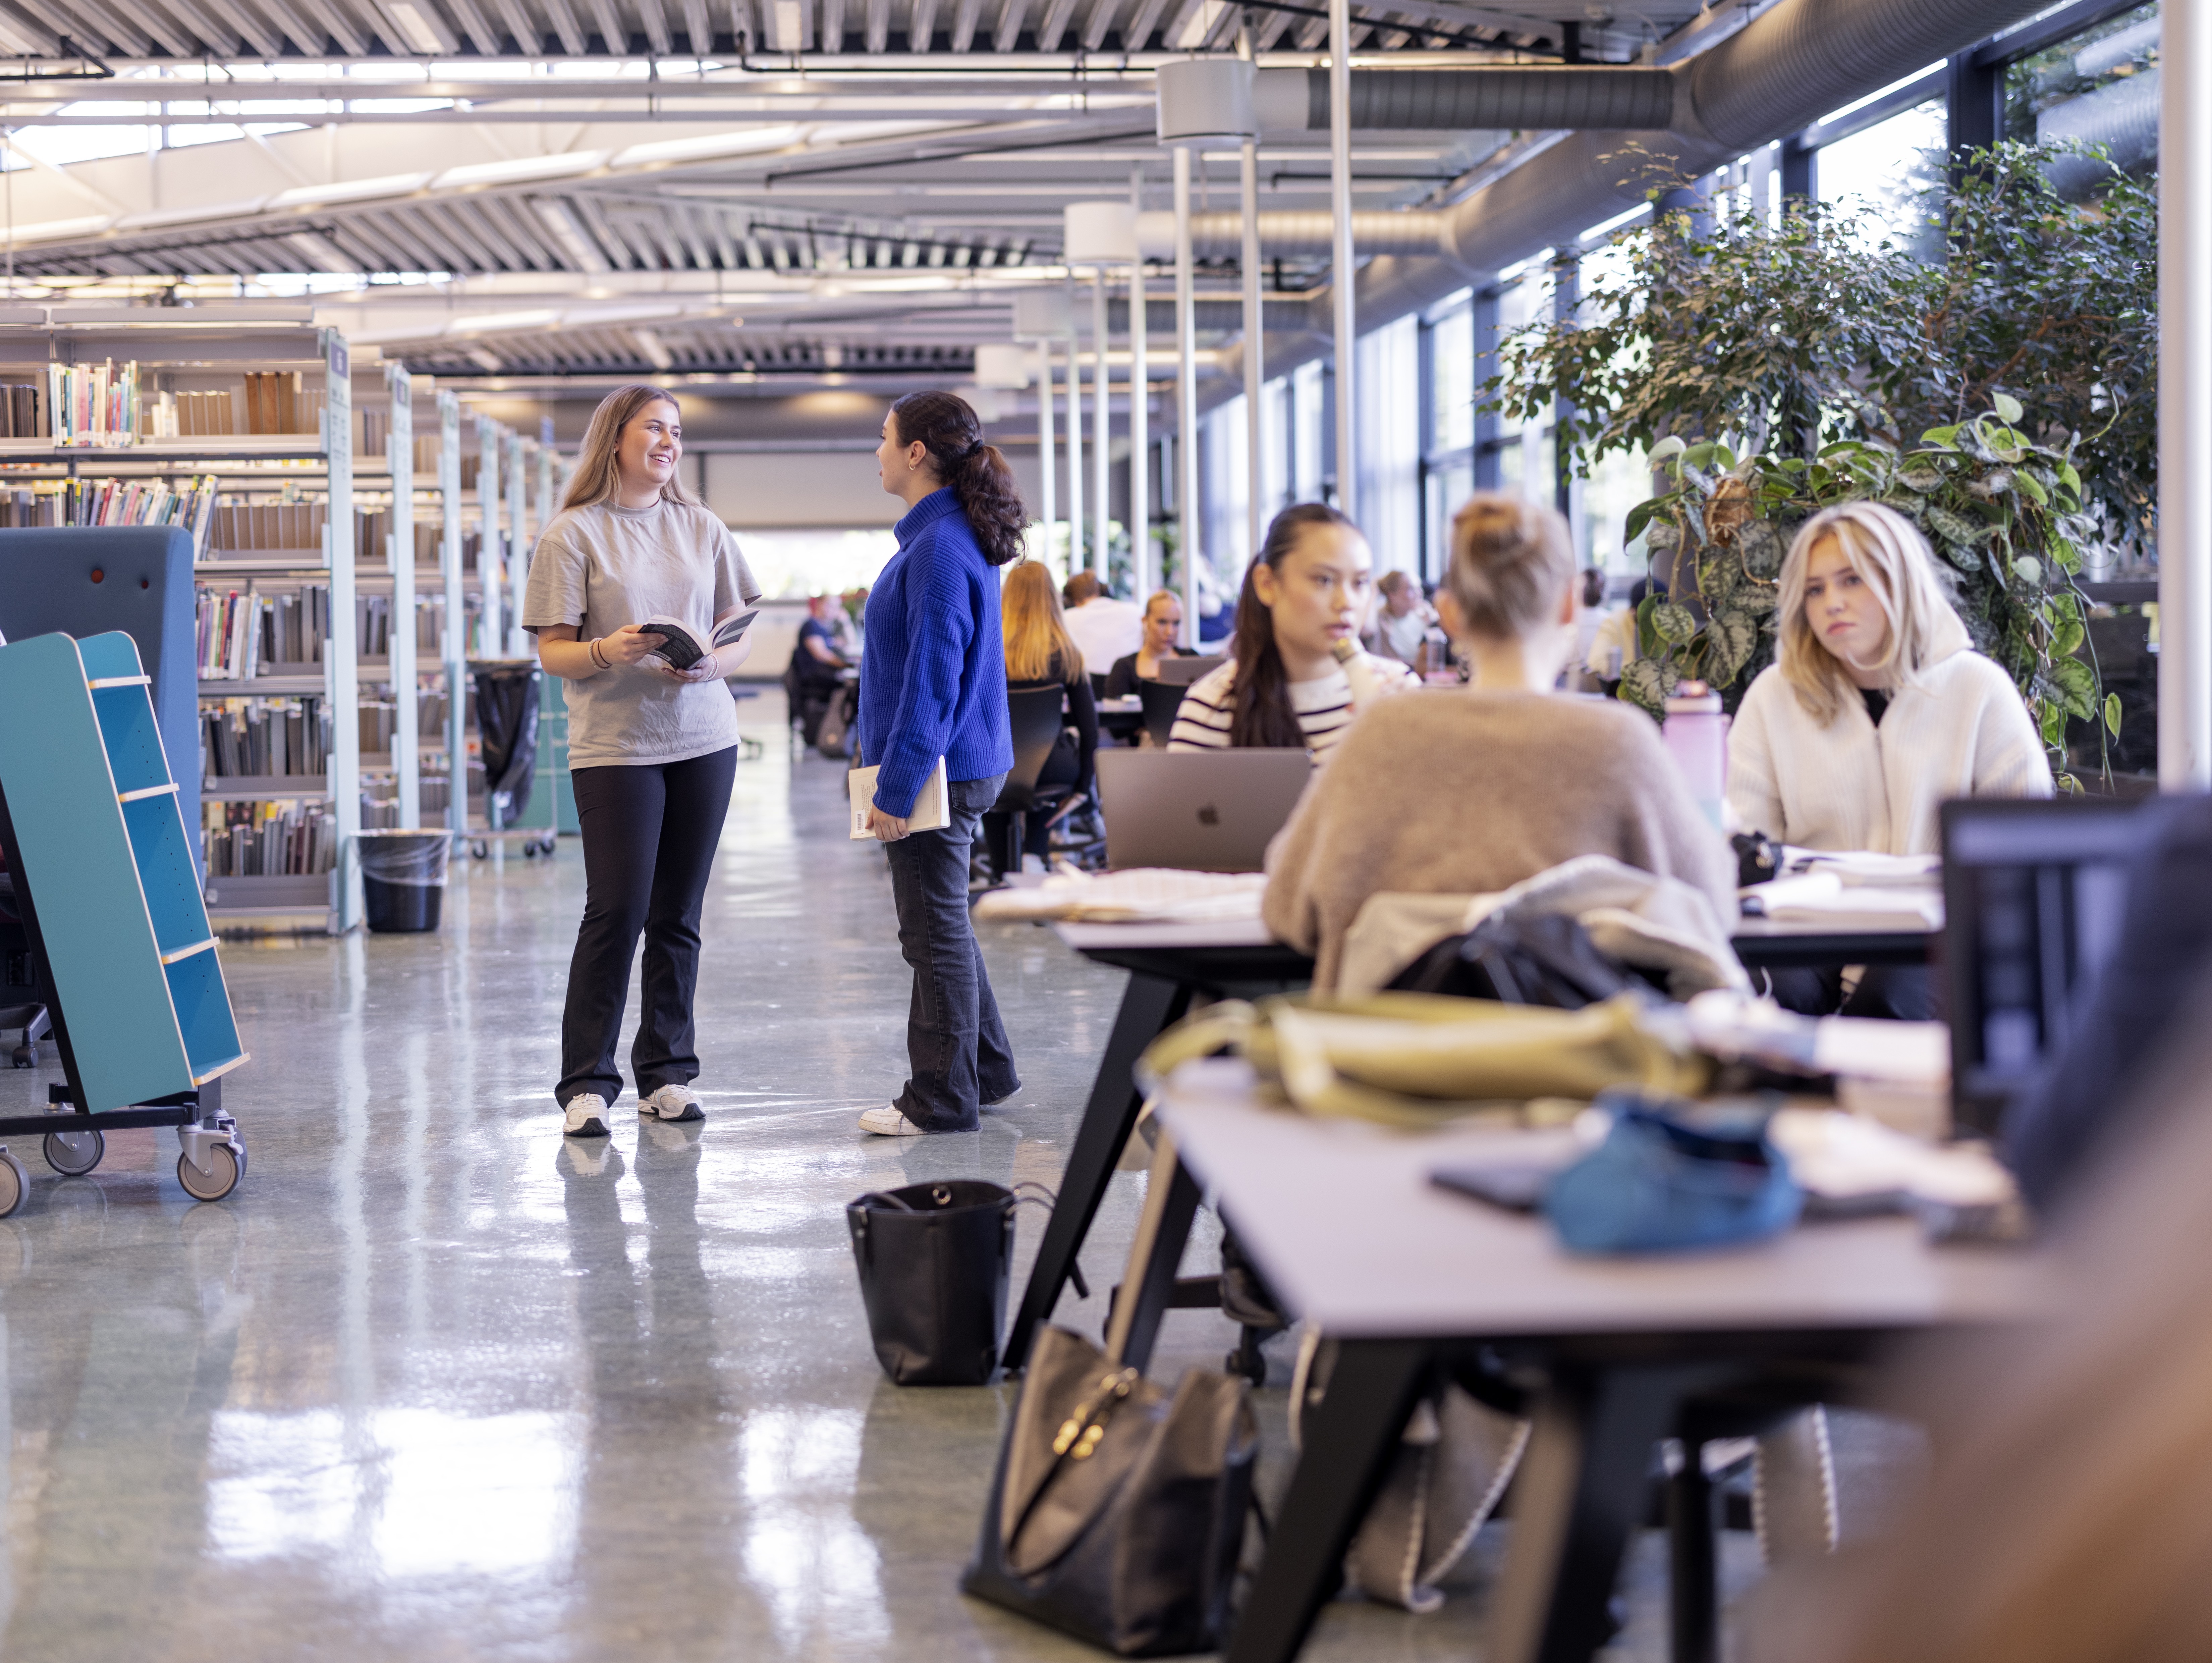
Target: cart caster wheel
(15,1183)
(75,1153)
(224,1170)
(24,1056)
(480,850)
(529,851)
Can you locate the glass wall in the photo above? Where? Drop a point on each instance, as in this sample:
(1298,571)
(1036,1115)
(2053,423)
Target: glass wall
(1387,433)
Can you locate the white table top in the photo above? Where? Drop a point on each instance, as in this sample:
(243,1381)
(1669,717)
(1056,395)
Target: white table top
(1246,933)
(1343,1222)
(1129,705)
(1770,928)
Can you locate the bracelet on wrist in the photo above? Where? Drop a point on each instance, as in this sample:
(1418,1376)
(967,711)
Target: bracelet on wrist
(598,657)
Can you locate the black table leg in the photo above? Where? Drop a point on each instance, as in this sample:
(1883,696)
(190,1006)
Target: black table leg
(1579,1494)
(1345,1455)
(1693,1582)
(1162,1231)
(1149,1005)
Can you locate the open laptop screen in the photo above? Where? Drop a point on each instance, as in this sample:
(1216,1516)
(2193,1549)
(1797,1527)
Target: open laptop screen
(2034,894)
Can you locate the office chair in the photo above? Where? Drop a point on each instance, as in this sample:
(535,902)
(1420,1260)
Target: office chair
(1161,701)
(1035,718)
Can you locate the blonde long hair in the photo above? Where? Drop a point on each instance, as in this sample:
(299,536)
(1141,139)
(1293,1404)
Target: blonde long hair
(1030,618)
(1892,560)
(598,476)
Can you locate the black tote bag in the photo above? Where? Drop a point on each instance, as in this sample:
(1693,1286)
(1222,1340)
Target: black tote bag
(934,1260)
(1117,1512)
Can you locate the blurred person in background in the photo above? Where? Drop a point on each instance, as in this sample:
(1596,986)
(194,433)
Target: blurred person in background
(1103,628)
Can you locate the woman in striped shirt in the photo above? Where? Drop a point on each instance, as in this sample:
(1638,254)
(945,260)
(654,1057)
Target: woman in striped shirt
(1303,602)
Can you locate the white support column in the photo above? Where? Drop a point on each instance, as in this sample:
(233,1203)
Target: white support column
(1255,350)
(491,565)
(2184,397)
(1340,268)
(1187,394)
(1140,443)
(518,547)
(406,686)
(1077,557)
(1048,462)
(1102,445)
(455,647)
(342,651)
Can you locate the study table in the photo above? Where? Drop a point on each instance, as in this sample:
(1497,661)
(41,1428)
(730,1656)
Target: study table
(1172,964)
(1341,1219)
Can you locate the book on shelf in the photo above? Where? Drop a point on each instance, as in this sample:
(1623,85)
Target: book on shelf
(23,411)
(243,633)
(269,839)
(94,403)
(264,738)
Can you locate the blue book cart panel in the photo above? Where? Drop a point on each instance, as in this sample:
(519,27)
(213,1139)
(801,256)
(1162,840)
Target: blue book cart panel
(109,865)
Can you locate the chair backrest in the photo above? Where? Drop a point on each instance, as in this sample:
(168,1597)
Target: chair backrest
(1161,701)
(2034,893)
(144,590)
(1036,715)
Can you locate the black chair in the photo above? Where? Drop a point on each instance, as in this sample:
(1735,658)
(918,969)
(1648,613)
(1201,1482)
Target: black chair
(1161,701)
(1036,719)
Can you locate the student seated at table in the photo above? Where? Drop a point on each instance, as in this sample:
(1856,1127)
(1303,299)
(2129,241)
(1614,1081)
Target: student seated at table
(1308,589)
(1163,625)
(1876,708)
(1464,792)
(1040,653)
(1876,711)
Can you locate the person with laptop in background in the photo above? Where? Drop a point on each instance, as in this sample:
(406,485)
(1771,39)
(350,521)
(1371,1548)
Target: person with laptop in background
(1298,676)
(1465,792)
(1876,711)
(1162,631)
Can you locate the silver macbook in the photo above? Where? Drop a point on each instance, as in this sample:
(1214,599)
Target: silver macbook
(1183,672)
(1199,811)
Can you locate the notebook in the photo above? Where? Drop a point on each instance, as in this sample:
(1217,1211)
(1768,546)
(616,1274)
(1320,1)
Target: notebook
(932,807)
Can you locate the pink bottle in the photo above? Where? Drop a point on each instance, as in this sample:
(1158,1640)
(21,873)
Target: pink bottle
(1696,736)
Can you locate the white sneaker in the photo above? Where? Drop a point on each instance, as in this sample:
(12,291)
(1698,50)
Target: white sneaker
(671,1103)
(888,1122)
(586,1115)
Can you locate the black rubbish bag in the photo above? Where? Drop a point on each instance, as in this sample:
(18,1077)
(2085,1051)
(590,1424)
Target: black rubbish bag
(402,878)
(508,694)
(1117,1512)
(934,1260)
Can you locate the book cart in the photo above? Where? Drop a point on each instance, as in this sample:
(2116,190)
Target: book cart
(107,887)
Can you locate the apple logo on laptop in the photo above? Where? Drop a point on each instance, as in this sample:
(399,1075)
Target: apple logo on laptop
(1209,815)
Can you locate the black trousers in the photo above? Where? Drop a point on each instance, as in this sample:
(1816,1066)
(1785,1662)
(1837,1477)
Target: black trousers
(649,837)
(955,1044)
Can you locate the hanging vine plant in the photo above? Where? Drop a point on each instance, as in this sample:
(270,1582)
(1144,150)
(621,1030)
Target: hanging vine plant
(2002,513)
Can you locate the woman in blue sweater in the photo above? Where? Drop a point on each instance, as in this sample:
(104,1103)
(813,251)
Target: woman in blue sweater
(933,684)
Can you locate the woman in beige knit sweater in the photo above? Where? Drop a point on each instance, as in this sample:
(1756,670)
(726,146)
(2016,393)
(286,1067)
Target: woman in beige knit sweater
(1471,792)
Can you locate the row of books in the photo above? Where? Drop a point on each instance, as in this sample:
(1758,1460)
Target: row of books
(378,813)
(264,738)
(296,528)
(380,720)
(269,839)
(94,403)
(242,634)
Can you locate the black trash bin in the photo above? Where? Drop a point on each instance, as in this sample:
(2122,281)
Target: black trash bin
(402,879)
(933,1261)
(507,693)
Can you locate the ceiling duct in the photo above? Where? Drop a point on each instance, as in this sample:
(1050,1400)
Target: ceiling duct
(1778,75)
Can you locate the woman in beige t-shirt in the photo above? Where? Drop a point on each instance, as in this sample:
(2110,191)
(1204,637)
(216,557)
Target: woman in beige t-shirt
(652,750)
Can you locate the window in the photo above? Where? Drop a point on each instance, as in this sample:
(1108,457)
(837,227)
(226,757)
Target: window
(1387,433)
(2099,87)
(1889,167)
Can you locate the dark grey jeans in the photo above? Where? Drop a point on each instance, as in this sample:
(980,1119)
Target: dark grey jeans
(955,1042)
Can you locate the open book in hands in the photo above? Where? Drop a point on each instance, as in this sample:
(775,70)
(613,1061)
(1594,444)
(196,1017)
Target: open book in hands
(682,646)
(932,805)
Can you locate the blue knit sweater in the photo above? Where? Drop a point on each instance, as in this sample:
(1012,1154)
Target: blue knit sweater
(933,679)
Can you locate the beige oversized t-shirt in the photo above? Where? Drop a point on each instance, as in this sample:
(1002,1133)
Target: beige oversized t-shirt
(602,567)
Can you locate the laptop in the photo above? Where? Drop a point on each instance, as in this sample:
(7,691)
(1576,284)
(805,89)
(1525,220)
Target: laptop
(2035,892)
(1183,672)
(1197,811)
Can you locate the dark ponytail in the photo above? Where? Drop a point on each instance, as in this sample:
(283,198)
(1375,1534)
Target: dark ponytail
(1263,715)
(977,473)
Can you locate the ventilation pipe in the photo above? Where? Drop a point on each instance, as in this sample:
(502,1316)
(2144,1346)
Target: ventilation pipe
(1784,70)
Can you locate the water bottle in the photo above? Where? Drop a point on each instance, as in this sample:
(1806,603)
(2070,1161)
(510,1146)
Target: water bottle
(1696,735)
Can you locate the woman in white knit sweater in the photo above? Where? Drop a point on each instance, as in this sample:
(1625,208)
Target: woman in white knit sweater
(1877,709)
(1875,712)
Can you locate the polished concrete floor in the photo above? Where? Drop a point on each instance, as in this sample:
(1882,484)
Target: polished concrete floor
(435,1384)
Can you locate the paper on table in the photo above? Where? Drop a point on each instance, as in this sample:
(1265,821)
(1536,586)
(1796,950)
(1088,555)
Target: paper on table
(1152,894)
(1862,907)
(1860,866)
(932,805)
